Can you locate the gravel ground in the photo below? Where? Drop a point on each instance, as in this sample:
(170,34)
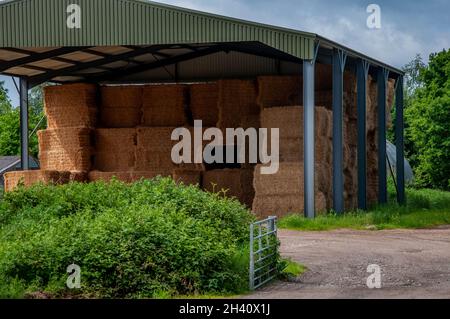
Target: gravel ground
(414,264)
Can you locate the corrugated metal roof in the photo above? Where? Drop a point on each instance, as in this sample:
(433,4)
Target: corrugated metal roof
(42,23)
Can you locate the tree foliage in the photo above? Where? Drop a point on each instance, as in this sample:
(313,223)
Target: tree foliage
(427,113)
(10,122)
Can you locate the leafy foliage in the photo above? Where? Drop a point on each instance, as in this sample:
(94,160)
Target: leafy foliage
(10,122)
(153,238)
(427,115)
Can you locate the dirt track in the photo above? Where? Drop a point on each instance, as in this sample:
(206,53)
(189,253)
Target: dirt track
(414,264)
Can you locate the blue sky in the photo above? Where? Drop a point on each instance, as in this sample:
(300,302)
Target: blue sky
(407,27)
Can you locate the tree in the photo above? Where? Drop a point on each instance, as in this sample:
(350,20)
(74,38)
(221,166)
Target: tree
(427,114)
(10,122)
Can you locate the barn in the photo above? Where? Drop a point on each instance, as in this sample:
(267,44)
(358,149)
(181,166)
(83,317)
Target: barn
(121,75)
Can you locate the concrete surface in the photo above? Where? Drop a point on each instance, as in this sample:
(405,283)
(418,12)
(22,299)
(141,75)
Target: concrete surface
(414,264)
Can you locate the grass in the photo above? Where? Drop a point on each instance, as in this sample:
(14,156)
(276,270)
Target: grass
(292,269)
(425,209)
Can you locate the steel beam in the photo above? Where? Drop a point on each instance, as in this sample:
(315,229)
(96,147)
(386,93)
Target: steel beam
(339,61)
(382,77)
(24,125)
(362,72)
(309,67)
(115,74)
(399,139)
(36,80)
(34,57)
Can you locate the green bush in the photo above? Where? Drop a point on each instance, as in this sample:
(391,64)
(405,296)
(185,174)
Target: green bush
(150,239)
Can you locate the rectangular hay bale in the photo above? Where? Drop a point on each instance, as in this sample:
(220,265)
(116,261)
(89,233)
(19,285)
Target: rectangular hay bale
(124,96)
(164,105)
(204,103)
(29,178)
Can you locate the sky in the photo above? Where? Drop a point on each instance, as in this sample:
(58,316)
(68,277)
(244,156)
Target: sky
(407,27)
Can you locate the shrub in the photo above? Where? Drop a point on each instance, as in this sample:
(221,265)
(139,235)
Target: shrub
(153,238)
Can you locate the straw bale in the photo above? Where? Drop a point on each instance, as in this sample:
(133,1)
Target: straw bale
(29,178)
(237,98)
(204,103)
(187,177)
(279,90)
(238,183)
(95,176)
(66,159)
(154,149)
(284,205)
(164,105)
(70,138)
(74,96)
(120,117)
(115,149)
(121,97)
(71,116)
(160,172)
(79,177)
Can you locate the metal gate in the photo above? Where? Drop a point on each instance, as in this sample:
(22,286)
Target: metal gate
(263,252)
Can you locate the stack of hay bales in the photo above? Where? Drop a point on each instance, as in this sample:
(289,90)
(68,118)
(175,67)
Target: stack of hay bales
(65,148)
(121,106)
(283,193)
(72,114)
(237,183)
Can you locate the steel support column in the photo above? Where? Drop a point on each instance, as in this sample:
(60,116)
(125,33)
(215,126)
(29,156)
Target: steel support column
(399,139)
(382,78)
(24,125)
(362,71)
(339,61)
(309,67)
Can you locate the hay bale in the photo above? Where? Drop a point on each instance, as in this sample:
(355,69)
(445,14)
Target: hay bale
(120,117)
(71,105)
(139,175)
(282,193)
(154,149)
(290,122)
(65,138)
(79,95)
(115,149)
(164,105)
(204,103)
(129,96)
(284,205)
(66,159)
(79,177)
(237,183)
(29,178)
(279,90)
(237,99)
(187,177)
(127,176)
(95,176)
(71,116)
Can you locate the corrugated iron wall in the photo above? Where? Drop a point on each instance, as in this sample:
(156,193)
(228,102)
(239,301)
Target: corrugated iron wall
(42,23)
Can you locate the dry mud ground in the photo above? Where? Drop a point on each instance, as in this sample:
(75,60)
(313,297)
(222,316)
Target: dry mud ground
(414,264)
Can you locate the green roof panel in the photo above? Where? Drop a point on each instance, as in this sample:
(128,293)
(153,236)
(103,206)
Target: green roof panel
(43,23)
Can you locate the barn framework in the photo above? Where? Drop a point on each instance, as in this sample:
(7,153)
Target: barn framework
(135,41)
